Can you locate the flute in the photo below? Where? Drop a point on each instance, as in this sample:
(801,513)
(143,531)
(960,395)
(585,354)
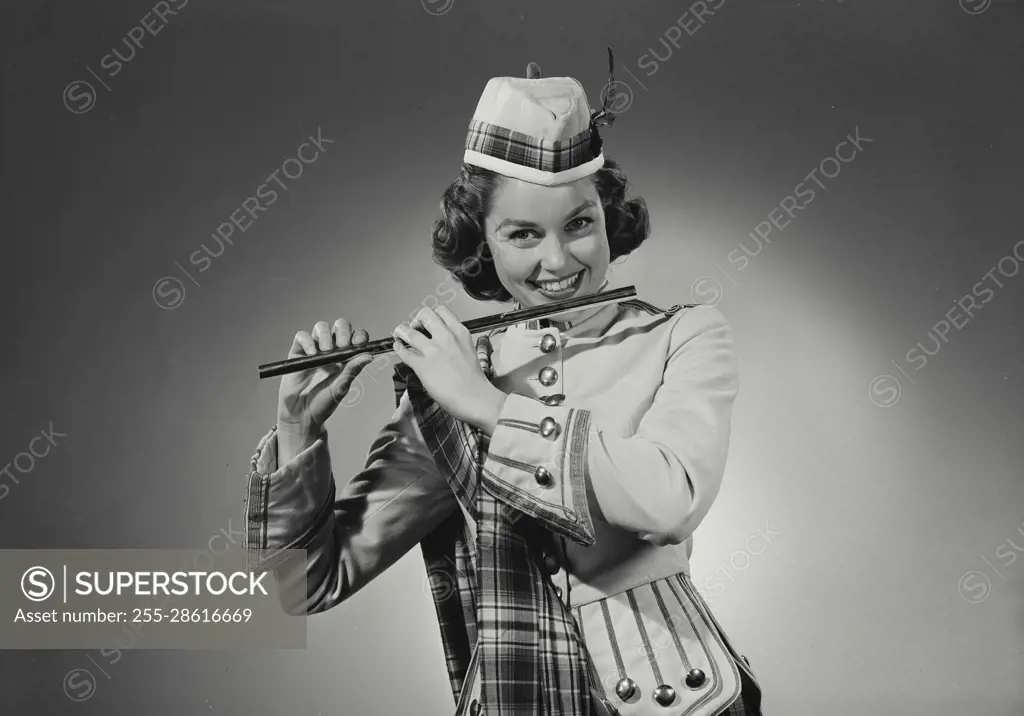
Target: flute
(475,325)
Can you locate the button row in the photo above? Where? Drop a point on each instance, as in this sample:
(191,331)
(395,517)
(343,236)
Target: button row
(663,694)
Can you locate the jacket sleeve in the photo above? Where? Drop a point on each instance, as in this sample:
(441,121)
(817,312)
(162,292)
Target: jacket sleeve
(558,465)
(351,537)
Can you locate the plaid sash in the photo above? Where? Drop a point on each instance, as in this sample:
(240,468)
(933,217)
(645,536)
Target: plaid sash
(496,594)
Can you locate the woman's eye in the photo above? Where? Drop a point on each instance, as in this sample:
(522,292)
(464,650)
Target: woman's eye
(580,223)
(521,235)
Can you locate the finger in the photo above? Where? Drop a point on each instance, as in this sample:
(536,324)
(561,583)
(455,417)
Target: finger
(342,332)
(355,365)
(345,391)
(412,338)
(302,345)
(322,335)
(404,354)
(431,321)
(451,320)
(360,335)
(342,384)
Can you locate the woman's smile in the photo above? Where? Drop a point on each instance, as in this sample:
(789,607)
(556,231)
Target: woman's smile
(559,289)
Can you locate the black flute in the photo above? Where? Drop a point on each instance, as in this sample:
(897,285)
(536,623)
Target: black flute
(475,325)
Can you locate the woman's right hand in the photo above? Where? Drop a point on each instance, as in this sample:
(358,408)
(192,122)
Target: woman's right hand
(308,398)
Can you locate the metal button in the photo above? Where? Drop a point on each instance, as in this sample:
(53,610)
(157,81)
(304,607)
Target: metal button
(543,477)
(548,376)
(695,679)
(549,428)
(556,399)
(665,695)
(475,708)
(625,688)
(548,343)
(558,592)
(551,564)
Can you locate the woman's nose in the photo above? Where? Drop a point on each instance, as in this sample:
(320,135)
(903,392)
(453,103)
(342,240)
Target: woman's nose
(553,254)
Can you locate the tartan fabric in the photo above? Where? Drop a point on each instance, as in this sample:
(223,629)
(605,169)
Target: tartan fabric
(544,155)
(495,594)
(527,151)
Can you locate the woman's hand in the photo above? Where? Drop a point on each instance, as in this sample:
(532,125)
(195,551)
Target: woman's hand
(447,365)
(308,398)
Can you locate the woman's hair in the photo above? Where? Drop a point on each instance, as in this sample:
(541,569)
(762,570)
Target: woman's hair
(459,236)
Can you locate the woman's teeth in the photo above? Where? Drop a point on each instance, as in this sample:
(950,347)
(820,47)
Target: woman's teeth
(556,286)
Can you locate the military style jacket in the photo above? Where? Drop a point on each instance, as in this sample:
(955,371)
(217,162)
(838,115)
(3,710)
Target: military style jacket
(621,421)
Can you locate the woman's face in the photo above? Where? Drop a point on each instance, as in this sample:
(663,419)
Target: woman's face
(548,243)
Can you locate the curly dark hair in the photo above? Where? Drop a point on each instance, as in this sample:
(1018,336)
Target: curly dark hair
(459,236)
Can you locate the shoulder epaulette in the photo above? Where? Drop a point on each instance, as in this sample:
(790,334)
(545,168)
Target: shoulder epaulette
(653,310)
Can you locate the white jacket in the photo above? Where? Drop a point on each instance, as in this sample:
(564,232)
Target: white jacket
(639,450)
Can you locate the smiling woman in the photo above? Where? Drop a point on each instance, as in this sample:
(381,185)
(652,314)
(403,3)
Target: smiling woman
(552,472)
(551,242)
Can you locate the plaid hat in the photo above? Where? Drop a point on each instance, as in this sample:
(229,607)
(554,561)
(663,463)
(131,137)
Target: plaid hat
(540,130)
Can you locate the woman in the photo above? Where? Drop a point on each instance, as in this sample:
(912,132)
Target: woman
(552,472)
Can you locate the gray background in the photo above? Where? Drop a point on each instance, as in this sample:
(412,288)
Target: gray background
(860,603)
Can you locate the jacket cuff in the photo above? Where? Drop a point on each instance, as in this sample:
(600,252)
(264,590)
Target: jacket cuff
(279,496)
(537,464)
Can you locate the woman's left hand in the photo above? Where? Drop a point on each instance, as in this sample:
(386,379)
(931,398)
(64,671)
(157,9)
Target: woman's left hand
(447,365)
